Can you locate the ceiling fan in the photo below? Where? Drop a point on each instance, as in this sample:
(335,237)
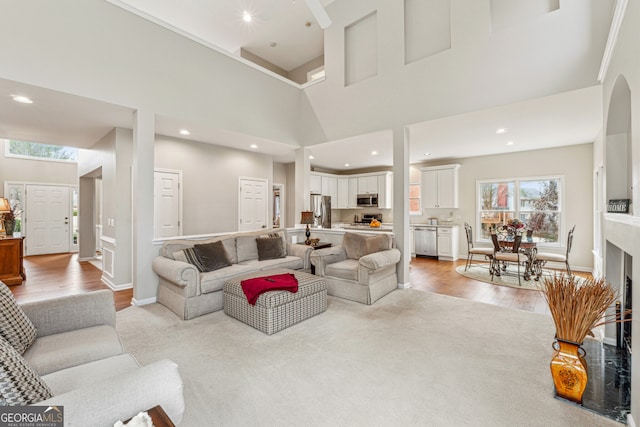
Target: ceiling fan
(319,13)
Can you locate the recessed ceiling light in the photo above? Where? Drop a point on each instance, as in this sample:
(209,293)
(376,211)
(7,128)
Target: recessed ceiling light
(184,132)
(246,16)
(509,142)
(254,146)
(502,130)
(346,164)
(374,153)
(311,157)
(427,154)
(23,99)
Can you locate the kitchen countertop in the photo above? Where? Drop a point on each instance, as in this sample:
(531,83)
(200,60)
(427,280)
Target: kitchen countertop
(446,224)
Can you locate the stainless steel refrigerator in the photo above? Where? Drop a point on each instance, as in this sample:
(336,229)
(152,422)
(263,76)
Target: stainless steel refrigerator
(321,208)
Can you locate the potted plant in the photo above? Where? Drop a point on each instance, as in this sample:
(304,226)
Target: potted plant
(577,306)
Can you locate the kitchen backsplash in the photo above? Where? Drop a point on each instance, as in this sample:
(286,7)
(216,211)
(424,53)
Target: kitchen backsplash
(347,215)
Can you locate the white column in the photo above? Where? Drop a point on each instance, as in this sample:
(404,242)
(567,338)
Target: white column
(145,282)
(401,202)
(302,185)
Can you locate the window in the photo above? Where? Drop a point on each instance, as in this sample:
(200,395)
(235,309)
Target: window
(534,201)
(415,191)
(34,150)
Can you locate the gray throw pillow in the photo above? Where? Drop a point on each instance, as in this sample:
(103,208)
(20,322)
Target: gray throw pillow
(270,248)
(373,244)
(15,326)
(20,384)
(189,255)
(352,245)
(213,256)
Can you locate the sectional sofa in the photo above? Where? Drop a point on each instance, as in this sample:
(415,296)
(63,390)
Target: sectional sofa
(189,292)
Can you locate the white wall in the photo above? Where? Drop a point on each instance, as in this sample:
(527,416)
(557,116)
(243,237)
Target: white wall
(623,230)
(210,175)
(35,171)
(573,162)
(482,69)
(97,50)
(112,155)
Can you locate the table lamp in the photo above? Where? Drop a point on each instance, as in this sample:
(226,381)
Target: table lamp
(4,207)
(307,218)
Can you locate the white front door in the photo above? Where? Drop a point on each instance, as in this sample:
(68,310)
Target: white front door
(47,219)
(167,203)
(253,204)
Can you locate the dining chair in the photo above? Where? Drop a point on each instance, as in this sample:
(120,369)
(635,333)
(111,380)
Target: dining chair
(512,256)
(471,251)
(541,258)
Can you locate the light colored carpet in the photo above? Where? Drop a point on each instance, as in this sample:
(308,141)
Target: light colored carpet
(412,359)
(481,273)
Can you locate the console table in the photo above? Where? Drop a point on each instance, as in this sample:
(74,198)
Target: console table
(11,265)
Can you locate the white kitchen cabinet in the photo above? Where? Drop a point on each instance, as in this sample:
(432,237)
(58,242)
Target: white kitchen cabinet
(440,186)
(342,201)
(353,193)
(412,240)
(385,191)
(315,183)
(330,187)
(368,184)
(448,243)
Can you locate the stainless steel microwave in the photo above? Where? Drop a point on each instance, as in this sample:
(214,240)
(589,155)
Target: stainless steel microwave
(367,200)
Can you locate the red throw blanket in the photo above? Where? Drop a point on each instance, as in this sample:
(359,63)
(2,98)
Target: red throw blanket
(255,287)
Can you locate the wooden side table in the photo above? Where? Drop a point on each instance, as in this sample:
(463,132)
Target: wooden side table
(159,417)
(11,265)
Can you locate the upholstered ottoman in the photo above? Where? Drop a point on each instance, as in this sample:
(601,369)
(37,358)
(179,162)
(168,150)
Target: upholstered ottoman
(276,310)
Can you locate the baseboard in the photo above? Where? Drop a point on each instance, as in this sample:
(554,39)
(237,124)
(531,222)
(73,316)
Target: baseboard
(87,259)
(404,285)
(630,421)
(115,287)
(146,301)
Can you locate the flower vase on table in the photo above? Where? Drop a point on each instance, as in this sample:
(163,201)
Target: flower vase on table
(9,226)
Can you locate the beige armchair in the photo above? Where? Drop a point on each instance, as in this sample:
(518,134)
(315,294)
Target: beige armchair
(362,269)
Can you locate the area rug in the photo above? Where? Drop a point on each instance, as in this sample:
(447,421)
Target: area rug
(481,273)
(413,358)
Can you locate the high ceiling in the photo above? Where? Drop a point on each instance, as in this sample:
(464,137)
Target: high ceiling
(563,119)
(283,32)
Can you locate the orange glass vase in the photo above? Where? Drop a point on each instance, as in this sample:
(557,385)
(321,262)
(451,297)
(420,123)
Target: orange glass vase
(569,370)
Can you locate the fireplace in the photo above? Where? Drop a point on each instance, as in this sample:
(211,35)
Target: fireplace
(626,326)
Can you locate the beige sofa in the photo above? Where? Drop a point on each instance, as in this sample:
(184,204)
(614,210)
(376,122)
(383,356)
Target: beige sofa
(78,354)
(362,268)
(190,293)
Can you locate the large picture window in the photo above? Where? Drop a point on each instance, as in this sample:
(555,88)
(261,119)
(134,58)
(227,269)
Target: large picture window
(534,201)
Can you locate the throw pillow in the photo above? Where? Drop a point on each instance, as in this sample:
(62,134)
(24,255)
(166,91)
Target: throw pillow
(189,255)
(270,248)
(213,256)
(15,326)
(20,384)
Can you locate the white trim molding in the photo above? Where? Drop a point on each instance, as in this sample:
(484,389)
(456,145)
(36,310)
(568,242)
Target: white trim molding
(109,240)
(113,286)
(404,285)
(616,23)
(146,301)
(630,421)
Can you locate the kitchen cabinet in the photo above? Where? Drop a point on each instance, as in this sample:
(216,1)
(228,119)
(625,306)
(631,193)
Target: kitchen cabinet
(330,187)
(353,193)
(440,186)
(315,183)
(385,191)
(342,201)
(448,243)
(11,266)
(368,184)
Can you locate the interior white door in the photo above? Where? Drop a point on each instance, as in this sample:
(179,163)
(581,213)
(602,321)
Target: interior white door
(47,219)
(167,205)
(253,204)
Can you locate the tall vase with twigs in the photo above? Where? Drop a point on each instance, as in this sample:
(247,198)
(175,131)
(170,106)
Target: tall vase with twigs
(576,307)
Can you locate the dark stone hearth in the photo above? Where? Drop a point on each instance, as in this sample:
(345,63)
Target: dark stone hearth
(609,387)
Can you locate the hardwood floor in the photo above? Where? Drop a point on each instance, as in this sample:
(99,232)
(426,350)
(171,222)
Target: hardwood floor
(61,274)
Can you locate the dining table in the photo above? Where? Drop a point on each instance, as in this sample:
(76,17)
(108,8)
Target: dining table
(527,247)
